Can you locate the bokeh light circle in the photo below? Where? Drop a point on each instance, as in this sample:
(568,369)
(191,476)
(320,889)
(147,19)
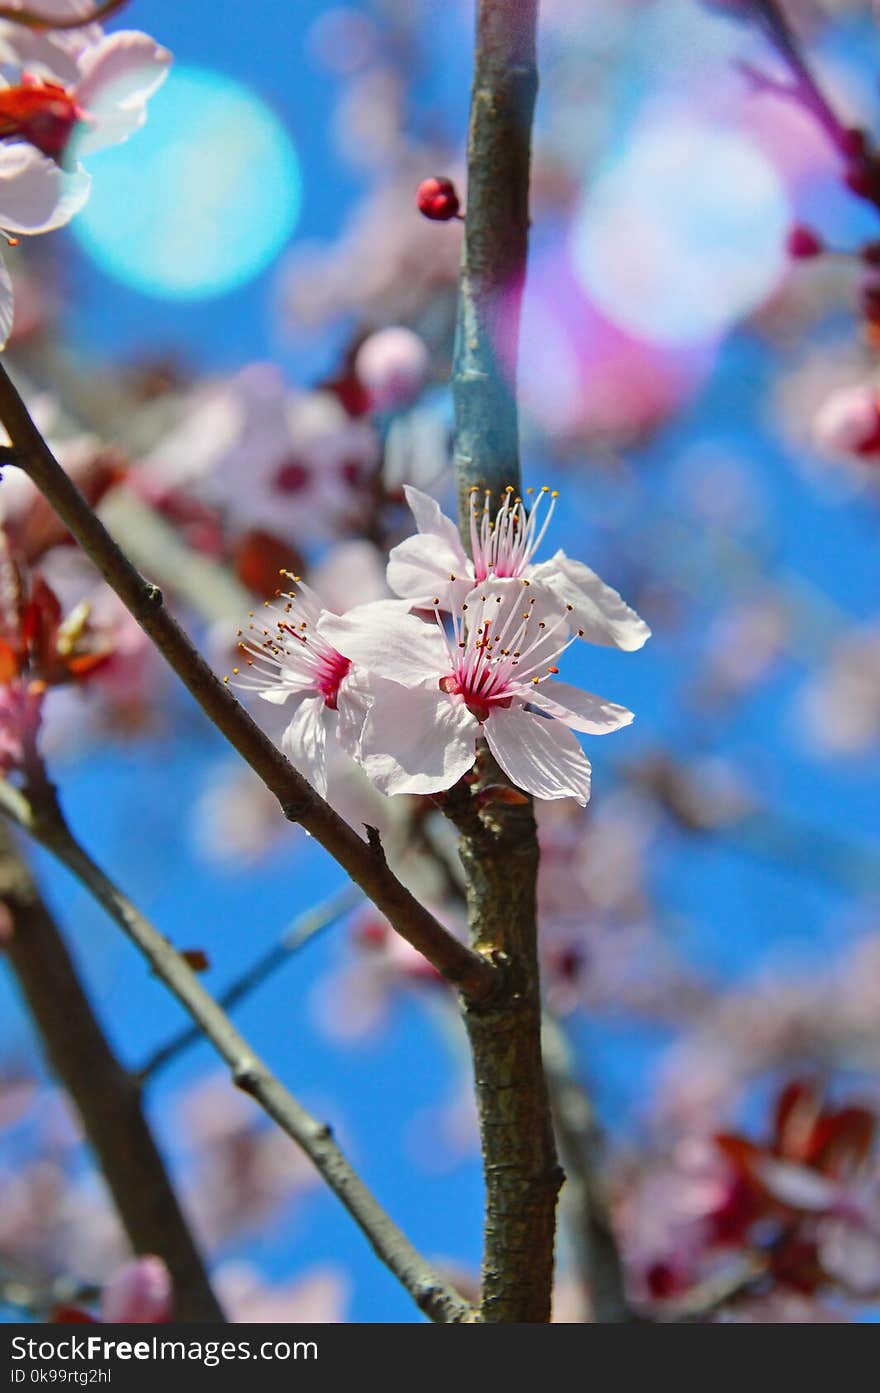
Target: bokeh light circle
(200,199)
(683,233)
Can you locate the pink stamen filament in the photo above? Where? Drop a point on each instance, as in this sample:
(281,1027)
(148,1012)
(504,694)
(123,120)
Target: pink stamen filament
(293,647)
(484,672)
(505,546)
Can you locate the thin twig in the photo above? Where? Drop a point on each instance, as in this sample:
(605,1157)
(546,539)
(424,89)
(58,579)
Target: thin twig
(105,1095)
(303,929)
(771,18)
(472,974)
(45,822)
(498,845)
(33,19)
(584,1200)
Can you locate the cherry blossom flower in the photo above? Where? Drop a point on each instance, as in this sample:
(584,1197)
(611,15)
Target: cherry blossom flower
(305,459)
(434,562)
(140,1293)
(35,197)
(848,423)
(288,659)
(81,93)
(393,366)
(431,697)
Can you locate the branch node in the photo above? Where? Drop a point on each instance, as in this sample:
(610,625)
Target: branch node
(246,1076)
(374,841)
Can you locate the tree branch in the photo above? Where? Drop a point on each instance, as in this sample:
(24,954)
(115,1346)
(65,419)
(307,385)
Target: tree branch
(302,931)
(498,845)
(33,19)
(105,1095)
(583,1195)
(45,822)
(473,975)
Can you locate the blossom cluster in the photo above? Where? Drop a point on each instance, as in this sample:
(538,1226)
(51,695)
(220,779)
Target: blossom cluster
(63,94)
(468,651)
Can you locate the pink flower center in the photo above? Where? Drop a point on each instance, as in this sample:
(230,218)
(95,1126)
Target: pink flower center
(43,113)
(497,656)
(503,546)
(289,652)
(292,477)
(330,669)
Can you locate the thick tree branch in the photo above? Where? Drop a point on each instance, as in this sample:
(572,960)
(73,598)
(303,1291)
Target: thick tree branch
(105,1095)
(45,822)
(498,844)
(473,975)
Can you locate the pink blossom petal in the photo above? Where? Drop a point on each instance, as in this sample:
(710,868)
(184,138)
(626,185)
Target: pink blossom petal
(35,195)
(605,618)
(119,75)
(851,1254)
(579,710)
(305,740)
(420,569)
(796,1185)
(391,644)
(416,741)
(543,757)
(432,521)
(6,310)
(138,1294)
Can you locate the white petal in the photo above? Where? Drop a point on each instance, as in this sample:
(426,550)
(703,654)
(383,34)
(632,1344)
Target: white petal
(542,757)
(6,308)
(35,195)
(353,700)
(416,741)
(596,608)
(796,1185)
(420,568)
(578,709)
(304,741)
(432,521)
(123,69)
(389,643)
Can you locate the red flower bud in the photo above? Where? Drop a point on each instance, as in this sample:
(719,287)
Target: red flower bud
(437,199)
(803,242)
(855,143)
(863,179)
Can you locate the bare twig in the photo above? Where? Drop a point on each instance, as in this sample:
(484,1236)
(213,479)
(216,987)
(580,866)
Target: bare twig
(45,822)
(34,19)
(306,927)
(584,1200)
(472,974)
(771,18)
(105,1095)
(498,845)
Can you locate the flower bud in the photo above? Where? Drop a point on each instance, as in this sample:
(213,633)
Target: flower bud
(849,422)
(138,1294)
(392,365)
(437,199)
(803,243)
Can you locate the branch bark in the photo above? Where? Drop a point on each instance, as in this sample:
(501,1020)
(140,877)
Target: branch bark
(35,19)
(45,822)
(465,969)
(584,1200)
(105,1095)
(498,845)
